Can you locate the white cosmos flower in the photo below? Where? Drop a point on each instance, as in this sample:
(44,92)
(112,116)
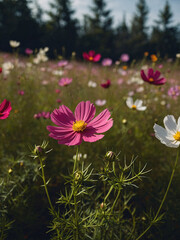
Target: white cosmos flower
(137,105)
(14,44)
(170,135)
(92,84)
(7,67)
(58,72)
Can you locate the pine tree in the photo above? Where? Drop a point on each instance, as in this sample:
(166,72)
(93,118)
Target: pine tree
(164,35)
(139,36)
(99,33)
(122,39)
(17,22)
(62,27)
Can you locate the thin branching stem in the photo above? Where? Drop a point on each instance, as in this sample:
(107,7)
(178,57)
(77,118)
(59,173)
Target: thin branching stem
(45,186)
(164,198)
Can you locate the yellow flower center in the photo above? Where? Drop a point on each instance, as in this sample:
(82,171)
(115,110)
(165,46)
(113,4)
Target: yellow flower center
(133,106)
(177,136)
(90,58)
(79,126)
(151,79)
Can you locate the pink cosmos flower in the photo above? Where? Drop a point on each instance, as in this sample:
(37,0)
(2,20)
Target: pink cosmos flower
(62,63)
(5,108)
(107,62)
(28,51)
(57,91)
(120,81)
(91,56)
(100,102)
(107,84)
(44,115)
(73,128)
(124,57)
(21,92)
(58,100)
(160,66)
(65,81)
(174,92)
(152,77)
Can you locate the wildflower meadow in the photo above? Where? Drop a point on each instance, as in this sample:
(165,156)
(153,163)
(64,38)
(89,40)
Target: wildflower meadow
(89,139)
(83,151)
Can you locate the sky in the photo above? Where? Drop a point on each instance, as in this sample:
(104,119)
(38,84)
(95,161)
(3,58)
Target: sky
(119,8)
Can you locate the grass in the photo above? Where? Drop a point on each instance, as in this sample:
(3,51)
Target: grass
(133,138)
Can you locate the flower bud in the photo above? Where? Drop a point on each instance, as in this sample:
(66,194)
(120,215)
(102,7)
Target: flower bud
(110,156)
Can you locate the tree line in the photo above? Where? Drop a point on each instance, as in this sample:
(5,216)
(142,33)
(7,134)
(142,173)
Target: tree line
(64,34)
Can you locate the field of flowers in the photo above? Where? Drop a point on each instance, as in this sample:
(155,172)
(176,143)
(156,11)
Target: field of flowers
(121,169)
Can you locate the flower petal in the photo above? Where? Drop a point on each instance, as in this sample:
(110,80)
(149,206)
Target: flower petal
(143,76)
(138,103)
(164,137)
(170,124)
(77,140)
(150,73)
(156,75)
(97,58)
(100,119)
(62,116)
(178,125)
(104,127)
(85,111)
(129,102)
(90,137)
(141,108)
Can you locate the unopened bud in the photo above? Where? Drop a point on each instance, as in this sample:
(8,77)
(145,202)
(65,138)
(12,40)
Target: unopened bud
(110,156)
(78,176)
(102,205)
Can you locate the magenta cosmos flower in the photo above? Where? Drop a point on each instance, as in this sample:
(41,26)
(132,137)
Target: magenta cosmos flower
(28,51)
(65,81)
(91,56)
(152,77)
(106,84)
(73,128)
(5,108)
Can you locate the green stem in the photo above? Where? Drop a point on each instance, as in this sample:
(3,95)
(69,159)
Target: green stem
(115,200)
(48,197)
(164,198)
(76,234)
(45,186)
(111,188)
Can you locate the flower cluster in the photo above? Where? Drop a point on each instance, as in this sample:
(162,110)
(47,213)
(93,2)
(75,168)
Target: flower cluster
(41,55)
(6,68)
